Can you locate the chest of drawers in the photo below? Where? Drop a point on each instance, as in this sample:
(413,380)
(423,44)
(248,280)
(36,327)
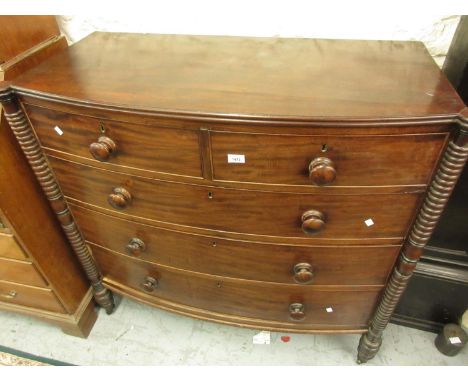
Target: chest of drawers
(282,184)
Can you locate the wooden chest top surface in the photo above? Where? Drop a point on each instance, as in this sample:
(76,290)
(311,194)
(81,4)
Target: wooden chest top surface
(289,79)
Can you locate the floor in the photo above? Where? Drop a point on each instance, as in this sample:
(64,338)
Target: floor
(139,335)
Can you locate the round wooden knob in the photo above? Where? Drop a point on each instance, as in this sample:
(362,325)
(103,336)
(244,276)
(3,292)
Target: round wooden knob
(103,148)
(312,221)
(303,273)
(297,311)
(149,284)
(322,171)
(135,246)
(120,198)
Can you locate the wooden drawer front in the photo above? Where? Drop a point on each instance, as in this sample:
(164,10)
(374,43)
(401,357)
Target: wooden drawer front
(251,212)
(29,296)
(20,272)
(10,248)
(239,259)
(151,148)
(241,298)
(358,160)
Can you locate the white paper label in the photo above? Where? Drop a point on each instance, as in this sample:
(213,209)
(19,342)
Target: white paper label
(329,309)
(58,130)
(455,340)
(262,338)
(236,158)
(369,222)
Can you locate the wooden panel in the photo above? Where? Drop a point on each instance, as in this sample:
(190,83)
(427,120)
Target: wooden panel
(33,57)
(20,33)
(239,259)
(29,296)
(252,212)
(20,272)
(10,248)
(358,160)
(242,76)
(152,148)
(351,308)
(34,224)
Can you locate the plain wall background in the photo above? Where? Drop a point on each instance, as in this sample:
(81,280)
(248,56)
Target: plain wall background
(436,31)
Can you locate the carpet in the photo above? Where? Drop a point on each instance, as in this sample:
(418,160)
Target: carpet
(12,357)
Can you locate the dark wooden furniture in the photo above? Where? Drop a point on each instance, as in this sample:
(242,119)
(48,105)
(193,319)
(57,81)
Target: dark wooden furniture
(282,184)
(39,275)
(437,294)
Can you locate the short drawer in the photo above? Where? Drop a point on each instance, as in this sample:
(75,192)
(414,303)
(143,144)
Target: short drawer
(153,148)
(10,248)
(393,160)
(20,272)
(38,298)
(240,211)
(336,265)
(265,301)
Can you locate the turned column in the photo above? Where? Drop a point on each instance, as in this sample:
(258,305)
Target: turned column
(442,185)
(37,160)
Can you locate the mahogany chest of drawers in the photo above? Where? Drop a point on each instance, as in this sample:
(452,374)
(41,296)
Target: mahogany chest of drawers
(282,184)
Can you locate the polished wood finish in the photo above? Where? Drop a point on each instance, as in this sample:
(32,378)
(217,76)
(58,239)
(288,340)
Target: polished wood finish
(342,265)
(240,211)
(34,236)
(357,160)
(251,181)
(269,78)
(29,59)
(41,298)
(37,160)
(103,148)
(21,33)
(242,298)
(10,248)
(442,185)
(322,171)
(123,144)
(20,272)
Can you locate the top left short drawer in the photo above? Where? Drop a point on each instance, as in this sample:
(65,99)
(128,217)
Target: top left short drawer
(125,145)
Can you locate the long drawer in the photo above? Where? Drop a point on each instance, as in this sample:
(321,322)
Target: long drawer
(154,148)
(241,211)
(318,265)
(322,308)
(359,161)
(33,297)
(20,272)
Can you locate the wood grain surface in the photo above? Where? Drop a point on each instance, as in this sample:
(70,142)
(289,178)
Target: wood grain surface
(223,209)
(351,307)
(333,265)
(265,77)
(358,160)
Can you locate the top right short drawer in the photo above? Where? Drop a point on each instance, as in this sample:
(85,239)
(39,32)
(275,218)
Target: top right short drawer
(346,160)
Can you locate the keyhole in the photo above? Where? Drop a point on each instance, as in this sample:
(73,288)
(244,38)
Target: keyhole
(324,148)
(213,243)
(102,129)
(210,195)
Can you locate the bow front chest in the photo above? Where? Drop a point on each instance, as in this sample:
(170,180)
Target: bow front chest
(281,184)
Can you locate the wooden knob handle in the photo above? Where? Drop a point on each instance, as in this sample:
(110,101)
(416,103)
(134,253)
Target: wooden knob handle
(303,273)
(297,311)
(103,148)
(120,198)
(322,171)
(149,284)
(312,221)
(135,246)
